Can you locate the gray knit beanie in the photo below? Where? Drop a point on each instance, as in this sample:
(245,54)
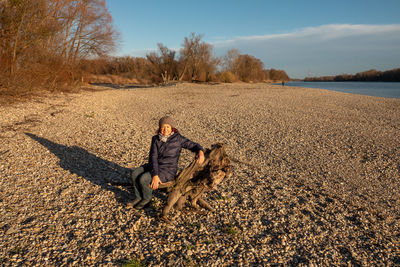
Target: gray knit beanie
(166,120)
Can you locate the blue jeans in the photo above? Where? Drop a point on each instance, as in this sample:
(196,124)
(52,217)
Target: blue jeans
(141,178)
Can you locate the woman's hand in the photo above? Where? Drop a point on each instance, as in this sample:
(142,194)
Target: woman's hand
(155,182)
(200,157)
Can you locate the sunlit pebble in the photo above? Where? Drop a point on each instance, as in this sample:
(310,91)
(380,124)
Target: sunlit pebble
(282,148)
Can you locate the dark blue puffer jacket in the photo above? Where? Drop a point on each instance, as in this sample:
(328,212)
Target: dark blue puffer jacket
(164,156)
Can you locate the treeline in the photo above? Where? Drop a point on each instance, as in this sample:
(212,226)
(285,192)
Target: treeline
(50,44)
(42,41)
(193,62)
(367,76)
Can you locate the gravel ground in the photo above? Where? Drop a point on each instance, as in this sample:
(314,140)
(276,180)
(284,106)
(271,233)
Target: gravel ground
(316,178)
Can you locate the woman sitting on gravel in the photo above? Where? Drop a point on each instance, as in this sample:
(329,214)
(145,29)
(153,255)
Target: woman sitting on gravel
(165,150)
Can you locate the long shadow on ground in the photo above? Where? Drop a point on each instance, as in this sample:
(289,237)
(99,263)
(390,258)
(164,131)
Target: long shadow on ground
(89,166)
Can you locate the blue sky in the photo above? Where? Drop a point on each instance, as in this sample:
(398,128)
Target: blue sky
(301,37)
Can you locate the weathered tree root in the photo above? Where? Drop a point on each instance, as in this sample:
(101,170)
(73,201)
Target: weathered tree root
(197,179)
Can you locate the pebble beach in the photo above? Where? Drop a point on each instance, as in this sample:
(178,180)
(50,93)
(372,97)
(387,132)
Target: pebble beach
(316,178)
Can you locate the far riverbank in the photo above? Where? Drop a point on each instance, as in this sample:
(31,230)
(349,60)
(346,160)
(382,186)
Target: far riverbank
(380,89)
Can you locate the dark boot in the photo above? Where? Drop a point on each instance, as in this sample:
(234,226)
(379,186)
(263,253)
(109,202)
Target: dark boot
(142,204)
(134,202)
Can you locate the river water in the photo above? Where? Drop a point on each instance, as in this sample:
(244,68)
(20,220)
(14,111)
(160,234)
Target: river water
(381,89)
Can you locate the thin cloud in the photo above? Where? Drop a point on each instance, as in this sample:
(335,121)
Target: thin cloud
(324,50)
(331,31)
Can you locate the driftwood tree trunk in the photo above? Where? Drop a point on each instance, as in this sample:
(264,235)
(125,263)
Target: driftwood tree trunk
(196,179)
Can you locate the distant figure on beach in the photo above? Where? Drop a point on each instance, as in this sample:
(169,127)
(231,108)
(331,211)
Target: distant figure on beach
(283,83)
(162,167)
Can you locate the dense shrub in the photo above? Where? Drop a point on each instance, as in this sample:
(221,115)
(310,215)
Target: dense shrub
(41,42)
(227,77)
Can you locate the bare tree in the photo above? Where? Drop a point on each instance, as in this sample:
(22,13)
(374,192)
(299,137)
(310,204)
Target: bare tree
(278,75)
(229,60)
(42,39)
(197,59)
(248,68)
(89,30)
(163,63)
(23,25)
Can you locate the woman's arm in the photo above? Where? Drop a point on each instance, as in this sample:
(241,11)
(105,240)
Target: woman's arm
(155,182)
(200,157)
(153,157)
(153,160)
(194,147)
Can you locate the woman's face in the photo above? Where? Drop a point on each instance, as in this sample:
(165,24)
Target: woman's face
(165,129)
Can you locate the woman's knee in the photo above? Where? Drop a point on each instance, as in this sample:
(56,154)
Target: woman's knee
(145,179)
(136,173)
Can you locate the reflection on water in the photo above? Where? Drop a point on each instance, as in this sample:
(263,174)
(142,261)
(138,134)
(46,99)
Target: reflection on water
(382,89)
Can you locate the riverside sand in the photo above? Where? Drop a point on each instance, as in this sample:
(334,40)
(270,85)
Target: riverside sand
(316,178)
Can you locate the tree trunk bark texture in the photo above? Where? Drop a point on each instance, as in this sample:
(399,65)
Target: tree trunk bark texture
(196,179)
